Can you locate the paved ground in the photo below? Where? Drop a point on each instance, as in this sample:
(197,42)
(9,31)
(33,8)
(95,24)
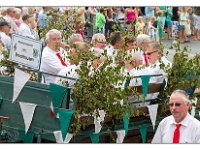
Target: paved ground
(193,46)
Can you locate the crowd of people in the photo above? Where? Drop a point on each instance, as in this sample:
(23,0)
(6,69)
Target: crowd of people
(95,25)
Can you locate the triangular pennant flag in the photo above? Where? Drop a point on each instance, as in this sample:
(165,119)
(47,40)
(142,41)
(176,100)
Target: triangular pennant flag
(126,121)
(27,113)
(26,137)
(94,138)
(145,84)
(57,94)
(120,136)
(98,120)
(65,118)
(153,113)
(20,80)
(143,132)
(59,139)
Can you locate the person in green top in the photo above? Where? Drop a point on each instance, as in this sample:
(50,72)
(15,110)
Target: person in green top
(169,22)
(163,9)
(160,25)
(100,21)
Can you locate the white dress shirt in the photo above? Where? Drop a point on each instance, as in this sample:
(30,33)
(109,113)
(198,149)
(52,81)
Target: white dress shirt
(97,51)
(50,63)
(24,30)
(150,70)
(111,52)
(11,21)
(69,71)
(6,40)
(189,130)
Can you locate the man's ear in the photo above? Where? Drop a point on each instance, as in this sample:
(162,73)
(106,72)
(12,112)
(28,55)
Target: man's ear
(188,104)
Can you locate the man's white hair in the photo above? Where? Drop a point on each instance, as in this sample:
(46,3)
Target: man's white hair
(18,10)
(3,9)
(50,32)
(96,36)
(73,37)
(141,38)
(185,96)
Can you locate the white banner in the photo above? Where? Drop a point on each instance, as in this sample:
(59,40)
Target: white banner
(20,80)
(153,113)
(27,113)
(120,136)
(25,51)
(59,139)
(98,120)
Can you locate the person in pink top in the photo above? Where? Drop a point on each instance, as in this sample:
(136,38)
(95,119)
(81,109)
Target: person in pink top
(130,17)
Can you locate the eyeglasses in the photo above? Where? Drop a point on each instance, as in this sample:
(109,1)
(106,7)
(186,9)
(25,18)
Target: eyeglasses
(56,39)
(175,104)
(103,42)
(150,53)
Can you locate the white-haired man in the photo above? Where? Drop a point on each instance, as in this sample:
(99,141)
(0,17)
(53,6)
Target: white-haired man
(52,61)
(142,41)
(180,127)
(10,18)
(155,57)
(99,43)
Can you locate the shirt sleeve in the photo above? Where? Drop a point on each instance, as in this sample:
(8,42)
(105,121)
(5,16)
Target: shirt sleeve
(157,139)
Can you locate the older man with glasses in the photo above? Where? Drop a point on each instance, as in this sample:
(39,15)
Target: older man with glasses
(153,52)
(180,127)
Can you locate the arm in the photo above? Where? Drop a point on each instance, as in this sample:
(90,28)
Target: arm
(157,136)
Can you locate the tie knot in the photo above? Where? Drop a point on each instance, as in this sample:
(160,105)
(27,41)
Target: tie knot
(178,125)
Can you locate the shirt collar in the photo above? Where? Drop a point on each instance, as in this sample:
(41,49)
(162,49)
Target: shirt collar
(184,122)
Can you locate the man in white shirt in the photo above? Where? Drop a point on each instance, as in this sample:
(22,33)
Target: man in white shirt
(155,60)
(4,33)
(10,18)
(51,61)
(24,28)
(180,127)
(114,46)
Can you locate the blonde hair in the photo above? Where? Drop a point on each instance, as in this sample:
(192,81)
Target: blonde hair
(159,13)
(96,38)
(152,19)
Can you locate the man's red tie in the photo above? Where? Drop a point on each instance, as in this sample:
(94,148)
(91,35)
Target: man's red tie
(62,62)
(176,137)
(146,59)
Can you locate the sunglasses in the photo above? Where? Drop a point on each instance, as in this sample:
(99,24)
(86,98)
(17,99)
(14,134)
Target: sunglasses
(175,104)
(150,53)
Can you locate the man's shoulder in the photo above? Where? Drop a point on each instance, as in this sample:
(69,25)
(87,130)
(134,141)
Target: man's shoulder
(195,122)
(167,119)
